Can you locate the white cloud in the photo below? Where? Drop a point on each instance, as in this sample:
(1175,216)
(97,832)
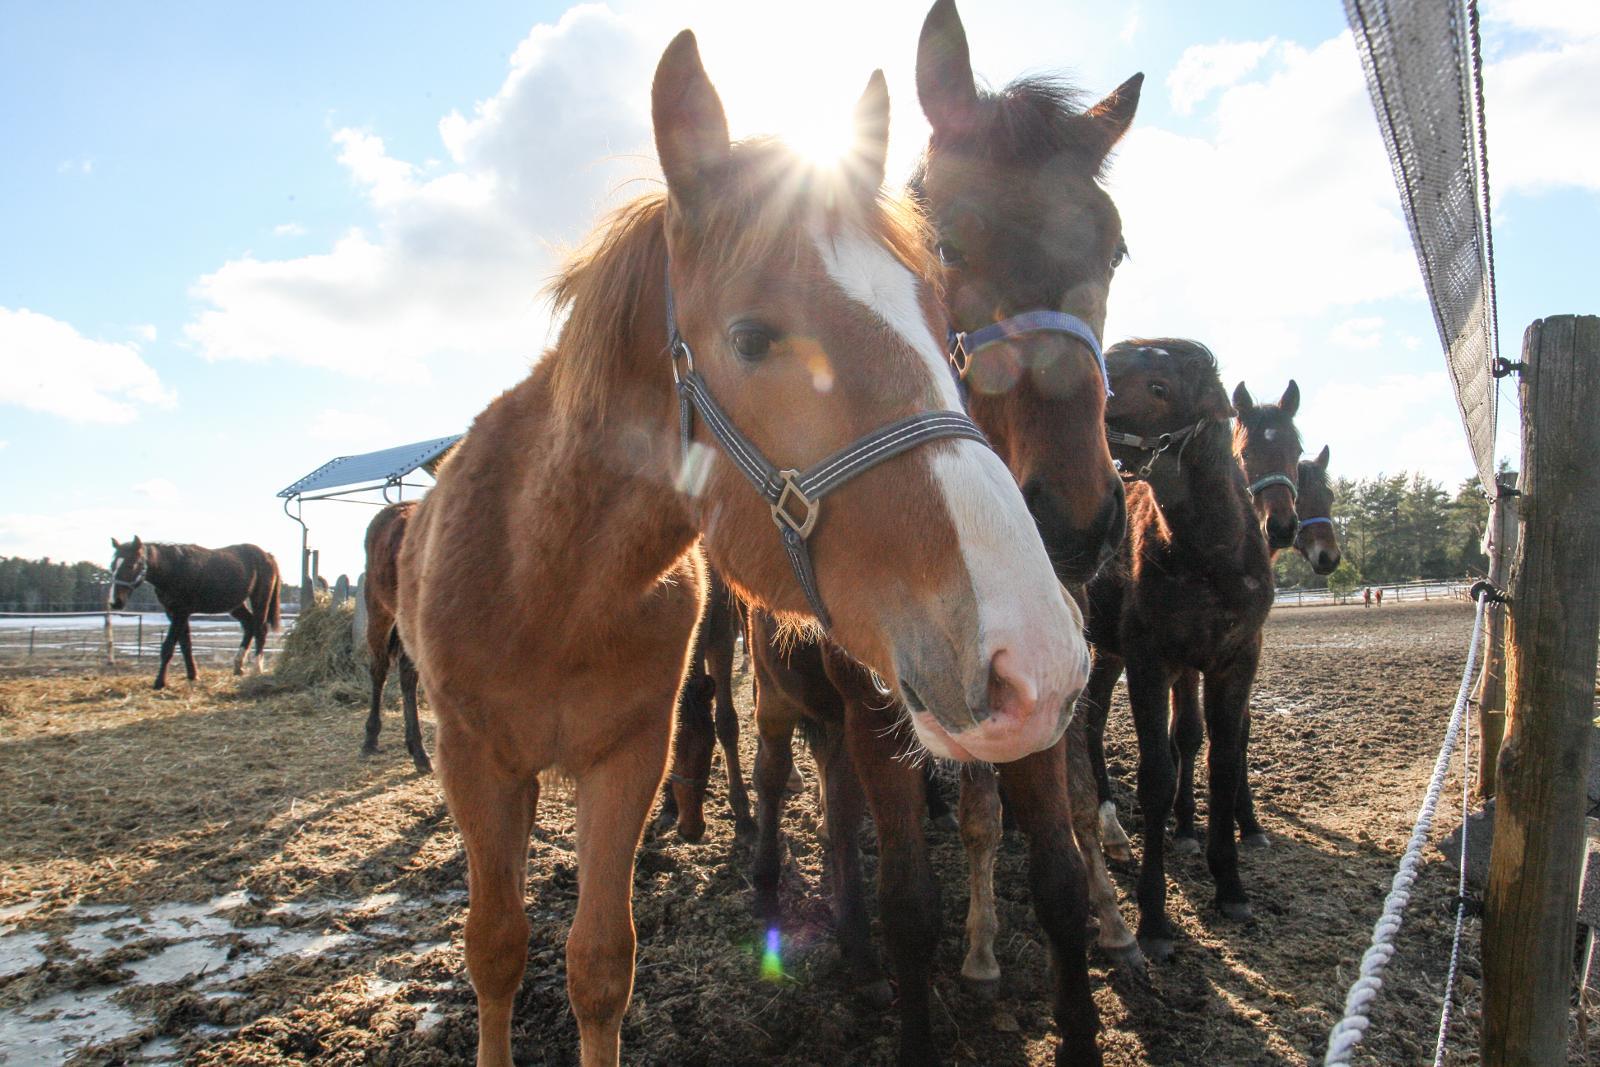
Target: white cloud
(288,229)
(84,167)
(1130,28)
(46,365)
(1567,18)
(1362,333)
(157,490)
(146,332)
(455,261)
(1387,422)
(1543,126)
(1205,68)
(359,430)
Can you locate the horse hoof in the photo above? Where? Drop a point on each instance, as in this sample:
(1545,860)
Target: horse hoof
(1255,842)
(692,834)
(1118,853)
(159,685)
(946,823)
(1127,957)
(984,989)
(797,782)
(877,993)
(422,765)
(1186,846)
(1157,949)
(744,834)
(1238,910)
(369,750)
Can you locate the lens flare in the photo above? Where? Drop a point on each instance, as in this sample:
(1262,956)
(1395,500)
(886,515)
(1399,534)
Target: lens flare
(772,958)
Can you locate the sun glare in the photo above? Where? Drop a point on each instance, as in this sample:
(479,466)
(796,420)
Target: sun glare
(824,139)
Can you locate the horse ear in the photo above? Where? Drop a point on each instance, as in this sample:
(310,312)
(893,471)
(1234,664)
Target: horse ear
(1113,115)
(1214,402)
(137,544)
(1322,458)
(944,70)
(116,545)
(1241,398)
(870,150)
(1291,399)
(691,127)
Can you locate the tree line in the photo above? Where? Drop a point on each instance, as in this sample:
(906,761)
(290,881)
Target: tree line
(1399,528)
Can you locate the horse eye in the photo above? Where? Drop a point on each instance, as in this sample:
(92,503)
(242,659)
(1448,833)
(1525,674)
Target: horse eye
(949,254)
(752,342)
(1119,255)
(1158,390)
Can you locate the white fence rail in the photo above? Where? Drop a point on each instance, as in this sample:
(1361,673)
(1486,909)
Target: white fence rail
(1393,592)
(39,637)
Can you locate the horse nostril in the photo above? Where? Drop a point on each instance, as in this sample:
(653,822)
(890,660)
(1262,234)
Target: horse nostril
(1011,692)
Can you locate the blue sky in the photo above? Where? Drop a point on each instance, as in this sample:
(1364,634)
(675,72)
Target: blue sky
(235,243)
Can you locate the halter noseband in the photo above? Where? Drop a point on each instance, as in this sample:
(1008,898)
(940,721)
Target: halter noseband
(963,346)
(1318,521)
(1153,447)
(1262,484)
(795,496)
(135,581)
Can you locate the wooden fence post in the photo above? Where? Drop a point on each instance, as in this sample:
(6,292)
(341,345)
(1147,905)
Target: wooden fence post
(1530,912)
(1492,683)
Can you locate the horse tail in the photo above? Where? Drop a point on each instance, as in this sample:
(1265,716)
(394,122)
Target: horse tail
(273,587)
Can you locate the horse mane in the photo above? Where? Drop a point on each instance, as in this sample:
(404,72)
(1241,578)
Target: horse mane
(771,200)
(1316,478)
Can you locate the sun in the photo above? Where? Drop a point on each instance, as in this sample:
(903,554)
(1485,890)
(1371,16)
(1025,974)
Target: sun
(825,139)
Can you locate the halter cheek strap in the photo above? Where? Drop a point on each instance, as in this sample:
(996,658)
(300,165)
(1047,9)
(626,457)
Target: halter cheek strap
(963,346)
(1262,484)
(1153,447)
(795,496)
(134,582)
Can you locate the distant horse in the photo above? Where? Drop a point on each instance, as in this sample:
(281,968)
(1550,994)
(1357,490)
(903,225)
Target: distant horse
(560,536)
(1377,596)
(1192,592)
(1366,597)
(1001,169)
(1317,540)
(239,580)
(382,592)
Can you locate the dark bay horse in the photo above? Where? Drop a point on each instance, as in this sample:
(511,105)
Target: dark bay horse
(1000,174)
(1317,539)
(239,580)
(564,528)
(1190,593)
(381,591)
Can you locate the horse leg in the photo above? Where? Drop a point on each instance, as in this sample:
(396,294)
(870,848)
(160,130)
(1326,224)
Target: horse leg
(719,660)
(1188,733)
(1227,699)
(1116,940)
(776,718)
(908,895)
(247,621)
(684,795)
(980,836)
(1037,789)
(169,643)
(379,649)
(939,813)
(494,811)
(613,803)
(1149,691)
(1095,705)
(185,642)
(843,805)
(1251,835)
(408,696)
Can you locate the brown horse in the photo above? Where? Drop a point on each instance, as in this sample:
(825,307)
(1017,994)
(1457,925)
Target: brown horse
(239,580)
(563,530)
(1191,592)
(1317,540)
(381,590)
(1001,171)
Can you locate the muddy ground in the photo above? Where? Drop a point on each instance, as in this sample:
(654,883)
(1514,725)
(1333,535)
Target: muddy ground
(213,877)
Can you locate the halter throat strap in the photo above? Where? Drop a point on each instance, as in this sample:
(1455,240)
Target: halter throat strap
(795,496)
(1262,484)
(1153,448)
(964,346)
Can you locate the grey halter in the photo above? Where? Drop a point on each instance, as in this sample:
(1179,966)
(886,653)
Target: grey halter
(1153,447)
(795,496)
(1262,484)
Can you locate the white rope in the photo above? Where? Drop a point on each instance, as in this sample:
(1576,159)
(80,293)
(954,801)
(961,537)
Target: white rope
(1349,1030)
(1461,891)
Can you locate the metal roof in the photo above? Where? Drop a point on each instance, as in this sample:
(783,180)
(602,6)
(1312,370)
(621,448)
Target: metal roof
(385,467)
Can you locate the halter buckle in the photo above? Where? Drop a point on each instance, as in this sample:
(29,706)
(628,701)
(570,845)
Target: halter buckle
(680,347)
(960,358)
(781,513)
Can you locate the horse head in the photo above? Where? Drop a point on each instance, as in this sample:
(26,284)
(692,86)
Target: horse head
(1317,540)
(1028,241)
(1268,446)
(129,564)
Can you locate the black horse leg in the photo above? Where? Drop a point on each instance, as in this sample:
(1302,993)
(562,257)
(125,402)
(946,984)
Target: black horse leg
(1037,787)
(185,642)
(939,813)
(774,761)
(1227,696)
(378,671)
(1189,733)
(168,643)
(408,694)
(1251,835)
(248,622)
(1095,705)
(1149,691)
(843,806)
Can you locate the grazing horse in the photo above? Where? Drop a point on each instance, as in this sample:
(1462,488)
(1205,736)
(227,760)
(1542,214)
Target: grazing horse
(239,580)
(792,308)
(1191,592)
(385,534)
(1026,299)
(1377,596)
(1317,540)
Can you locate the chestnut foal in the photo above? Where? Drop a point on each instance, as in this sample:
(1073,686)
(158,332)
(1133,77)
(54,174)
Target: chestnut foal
(1191,592)
(381,592)
(565,525)
(1026,298)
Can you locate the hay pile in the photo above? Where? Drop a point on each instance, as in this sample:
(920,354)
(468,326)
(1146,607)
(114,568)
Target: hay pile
(319,653)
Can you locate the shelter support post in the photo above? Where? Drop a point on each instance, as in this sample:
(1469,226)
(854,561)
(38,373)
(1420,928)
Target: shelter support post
(1530,912)
(1491,694)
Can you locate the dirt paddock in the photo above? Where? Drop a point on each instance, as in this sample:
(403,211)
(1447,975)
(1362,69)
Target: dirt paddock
(206,876)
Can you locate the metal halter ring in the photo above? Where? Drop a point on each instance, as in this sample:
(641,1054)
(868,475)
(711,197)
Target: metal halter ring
(792,492)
